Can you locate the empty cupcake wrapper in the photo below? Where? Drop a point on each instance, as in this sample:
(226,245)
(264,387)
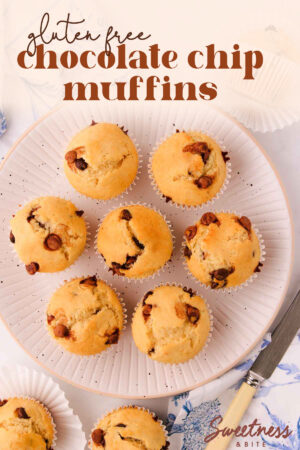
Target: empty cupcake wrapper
(211,322)
(245,283)
(158,271)
(208,202)
(125,317)
(141,408)
(88,234)
(132,184)
(30,384)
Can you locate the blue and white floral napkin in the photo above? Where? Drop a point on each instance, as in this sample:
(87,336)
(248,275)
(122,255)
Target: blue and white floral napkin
(3,124)
(276,404)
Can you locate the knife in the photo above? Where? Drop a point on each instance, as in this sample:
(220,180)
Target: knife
(262,369)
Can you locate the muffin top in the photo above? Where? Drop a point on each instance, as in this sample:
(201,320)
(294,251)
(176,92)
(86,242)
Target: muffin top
(171,324)
(222,249)
(196,168)
(101,161)
(48,234)
(135,241)
(85,316)
(129,428)
(25,424)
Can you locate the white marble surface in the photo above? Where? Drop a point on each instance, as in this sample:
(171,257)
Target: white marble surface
(284,149)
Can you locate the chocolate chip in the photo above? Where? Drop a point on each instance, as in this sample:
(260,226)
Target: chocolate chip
(98,437)
(225,157)
(79,213)
(3,402)
(166,446)
(187,252)
(257,268)
(52,242)
(198,148)
(81,164)
(121,425)
(220,274)
(93,123)
(130,260)
(209,218)
(147,311)
(189,291)
(190,232)
(21,413)
(50,317)
(203,182)
(123,129)
(71,156)
(125,215)
(32,268)
(113,338)
(138,243)
(61,331)
(115,268)
(152,350)
(167,199)
(214,285)
(245,223)
(146,296)
(90,281)
(193,314)
(12,237)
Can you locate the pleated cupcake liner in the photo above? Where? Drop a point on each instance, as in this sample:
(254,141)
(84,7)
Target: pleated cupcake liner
(204,204)
(263,104)
(169,224)
(129,188)
(246,282)
(211,324)
(21,382)
(140,408)
(84,251)
(125,318)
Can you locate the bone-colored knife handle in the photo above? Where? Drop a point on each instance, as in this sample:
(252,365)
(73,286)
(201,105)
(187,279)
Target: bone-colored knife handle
(233,416)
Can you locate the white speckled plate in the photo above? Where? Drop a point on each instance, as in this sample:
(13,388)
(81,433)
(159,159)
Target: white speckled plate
(34,168)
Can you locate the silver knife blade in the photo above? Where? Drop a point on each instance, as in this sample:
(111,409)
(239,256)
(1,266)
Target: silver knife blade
(282,336)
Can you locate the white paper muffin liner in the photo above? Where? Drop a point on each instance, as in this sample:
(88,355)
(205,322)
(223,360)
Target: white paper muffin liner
(208,202)
(245,283)
(211,323)
(155,417)
(125,317)
(87,242)
(19,381)
(269,102)
(132,184)
(158,271)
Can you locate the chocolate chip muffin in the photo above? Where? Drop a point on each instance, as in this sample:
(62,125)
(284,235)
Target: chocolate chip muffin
(101,161)
(171,324)
(222,250)
(85,316)
(196,168)
(129,428)
(25,424)
(135,241)
(48,234)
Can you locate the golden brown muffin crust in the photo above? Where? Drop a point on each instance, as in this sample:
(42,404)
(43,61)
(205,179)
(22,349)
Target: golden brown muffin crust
(129,428)
(85,316)
(189,168)
(135,241)
(222,249)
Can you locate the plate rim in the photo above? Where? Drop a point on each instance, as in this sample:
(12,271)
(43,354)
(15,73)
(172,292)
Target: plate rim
(249,349)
